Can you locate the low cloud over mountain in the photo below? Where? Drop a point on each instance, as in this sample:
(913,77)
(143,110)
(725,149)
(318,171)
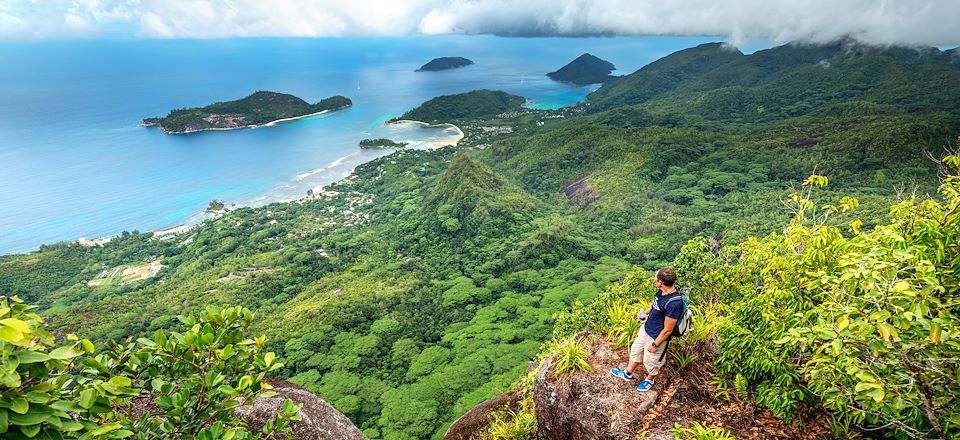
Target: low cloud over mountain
(926,22)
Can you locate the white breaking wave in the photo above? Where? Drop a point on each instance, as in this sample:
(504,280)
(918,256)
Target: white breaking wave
(332,165)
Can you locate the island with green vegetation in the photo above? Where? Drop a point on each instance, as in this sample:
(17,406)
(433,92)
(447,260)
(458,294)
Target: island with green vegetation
(259,109)
(382,143)
(792,189)
(585,70)
(444,63)
(475,104)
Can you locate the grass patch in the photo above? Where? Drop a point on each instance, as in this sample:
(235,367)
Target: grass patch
(571,358)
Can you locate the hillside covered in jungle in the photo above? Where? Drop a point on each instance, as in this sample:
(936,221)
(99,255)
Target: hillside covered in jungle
(427,281)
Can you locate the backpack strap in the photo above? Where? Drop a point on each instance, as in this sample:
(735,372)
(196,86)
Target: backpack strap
(665,346)
(683,299)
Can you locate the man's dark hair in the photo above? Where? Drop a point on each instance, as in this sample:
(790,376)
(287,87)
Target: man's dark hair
(667,276)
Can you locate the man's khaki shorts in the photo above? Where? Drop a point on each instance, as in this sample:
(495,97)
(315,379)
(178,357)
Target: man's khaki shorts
(651,361)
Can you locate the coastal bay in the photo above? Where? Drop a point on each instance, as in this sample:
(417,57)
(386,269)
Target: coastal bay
(69,109)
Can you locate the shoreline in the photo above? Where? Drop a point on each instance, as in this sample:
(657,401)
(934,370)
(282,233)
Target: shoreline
(265,124)
(197,219)
(460,133)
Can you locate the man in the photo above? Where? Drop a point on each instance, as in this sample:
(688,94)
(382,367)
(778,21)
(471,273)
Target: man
(650,348)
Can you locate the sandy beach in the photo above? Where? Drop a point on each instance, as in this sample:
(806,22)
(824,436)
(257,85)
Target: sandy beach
(266,124)
(438,144)
(295,118)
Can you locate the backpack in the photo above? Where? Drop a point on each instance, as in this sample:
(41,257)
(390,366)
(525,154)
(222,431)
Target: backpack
(685,323)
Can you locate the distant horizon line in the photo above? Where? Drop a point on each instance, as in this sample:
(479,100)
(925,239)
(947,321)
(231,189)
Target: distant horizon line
(720,39)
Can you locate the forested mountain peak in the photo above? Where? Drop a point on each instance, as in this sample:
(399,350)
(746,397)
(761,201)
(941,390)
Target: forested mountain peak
(785,81)
(473,104)
(585,69)
(465,175)
(471,193)
(662,75)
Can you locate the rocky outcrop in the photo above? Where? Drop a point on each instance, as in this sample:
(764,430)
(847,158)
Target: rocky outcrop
(579,193)
(320,421)
(472,424)
(591,405)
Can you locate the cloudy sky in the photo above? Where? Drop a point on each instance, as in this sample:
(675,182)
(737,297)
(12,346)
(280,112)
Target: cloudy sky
(925,22)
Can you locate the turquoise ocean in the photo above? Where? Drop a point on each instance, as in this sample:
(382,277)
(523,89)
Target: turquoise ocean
(74,161)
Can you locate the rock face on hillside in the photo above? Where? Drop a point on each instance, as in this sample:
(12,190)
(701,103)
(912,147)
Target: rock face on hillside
(320,420)
(579,193)
(472,424)
(591,405)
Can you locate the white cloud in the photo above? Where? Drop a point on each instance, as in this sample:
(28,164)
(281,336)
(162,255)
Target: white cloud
(437,22)
(930,22)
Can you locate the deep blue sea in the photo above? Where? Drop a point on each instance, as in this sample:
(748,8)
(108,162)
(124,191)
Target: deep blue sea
(74,162)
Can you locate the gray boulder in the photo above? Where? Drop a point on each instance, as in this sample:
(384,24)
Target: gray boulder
(591,405)
(320,421)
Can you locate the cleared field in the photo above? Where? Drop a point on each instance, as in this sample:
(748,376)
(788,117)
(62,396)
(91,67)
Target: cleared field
(127,274)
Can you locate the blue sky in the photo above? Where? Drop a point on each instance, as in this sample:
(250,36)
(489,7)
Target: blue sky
(922,22)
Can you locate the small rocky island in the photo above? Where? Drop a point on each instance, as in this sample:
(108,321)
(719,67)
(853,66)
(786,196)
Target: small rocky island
(382,143)
(444,63)
(259,109)
(586,69)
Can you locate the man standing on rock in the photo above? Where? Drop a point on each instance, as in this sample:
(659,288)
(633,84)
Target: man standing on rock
(650,348)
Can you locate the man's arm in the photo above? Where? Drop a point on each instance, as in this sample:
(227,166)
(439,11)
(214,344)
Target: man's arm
(668,325)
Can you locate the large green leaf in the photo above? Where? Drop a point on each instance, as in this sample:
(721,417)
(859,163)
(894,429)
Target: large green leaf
(19,405)
(31,356)
(87,398)
(28,419)
(69,352)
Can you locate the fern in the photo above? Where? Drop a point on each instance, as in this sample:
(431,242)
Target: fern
(741,385)
(682,352)
(697,431)
(721,389)
(706,318)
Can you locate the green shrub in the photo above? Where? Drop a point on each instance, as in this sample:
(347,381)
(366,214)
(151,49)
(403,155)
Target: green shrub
(864,322)
(520,424)
(571,357)
(44,390)
(623,324)
(195,380)
(199,377)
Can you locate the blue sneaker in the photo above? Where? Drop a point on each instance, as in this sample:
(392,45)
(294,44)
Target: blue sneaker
(645,385)
(621,374)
